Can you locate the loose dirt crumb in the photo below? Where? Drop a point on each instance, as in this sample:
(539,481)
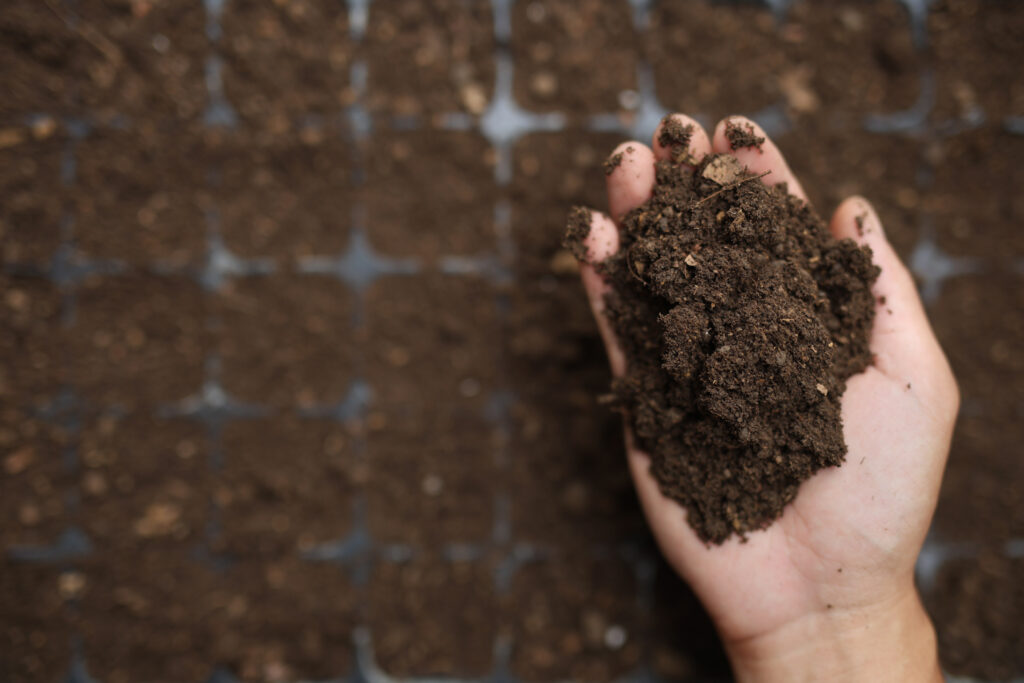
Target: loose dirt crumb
(741,318)
(676,137)
(577,231)
(742,135)
(612,163)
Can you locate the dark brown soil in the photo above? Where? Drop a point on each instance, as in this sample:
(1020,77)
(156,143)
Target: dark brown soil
(832,164)
(431,616)
(430,58)
(301,43)
(452,209)
(284,195)
(268,510)
(555,44)
(436,341)
(741,319)
(742,136)
(30,183)
(30,331)
(979,612)
(684,646)
(138,197)
(286,339)
(33,480)
(138,339)
(139,497)
(975,195)
(35,634)
(447,457)
(41,55)
(284,619)
(574,619)
(967,78)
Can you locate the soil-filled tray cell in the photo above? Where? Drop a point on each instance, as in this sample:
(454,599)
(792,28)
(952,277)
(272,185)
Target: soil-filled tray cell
(577,57)
(287,484)
(138,196)
(284,196)
(144,481)
(574,618)
(833,163)
(978,609)
(286,339)
(35,633)
(848,59)
(552,173)
(432,617)
(684,645)
(568,471)
(285,60)
(138,339)
(436,340)
(30,183)
(144,59)
(431,193)
(285,619)
(34,480)
(30,338)
(430,58)
(970,77)
(984,481)
(39,53)
(700,64)
(148,615)
(432,476)
(975,203)
(977,319)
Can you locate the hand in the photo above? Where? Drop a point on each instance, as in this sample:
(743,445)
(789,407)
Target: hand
(827,591)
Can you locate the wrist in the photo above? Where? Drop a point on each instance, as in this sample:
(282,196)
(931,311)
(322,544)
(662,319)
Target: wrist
(894,642)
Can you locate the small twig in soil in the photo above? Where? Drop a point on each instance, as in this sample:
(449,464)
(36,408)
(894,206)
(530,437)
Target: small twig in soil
(99,41)
(728,187)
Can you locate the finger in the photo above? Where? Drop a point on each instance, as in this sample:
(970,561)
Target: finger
(764,157)
(902,340)
(602,242)
(681,139)
(630,178)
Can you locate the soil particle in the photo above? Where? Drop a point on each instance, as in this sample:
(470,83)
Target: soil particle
(741,135)
(578,230)
(613,162)
(736,364)
(675,137)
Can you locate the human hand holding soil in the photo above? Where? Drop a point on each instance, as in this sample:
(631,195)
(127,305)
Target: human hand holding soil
(826,592)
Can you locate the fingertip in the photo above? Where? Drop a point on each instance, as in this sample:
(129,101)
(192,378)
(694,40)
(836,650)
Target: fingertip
(630,177)
(680,138)
(603,239)
(751,145)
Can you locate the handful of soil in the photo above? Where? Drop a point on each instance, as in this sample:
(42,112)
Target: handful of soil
(741,317)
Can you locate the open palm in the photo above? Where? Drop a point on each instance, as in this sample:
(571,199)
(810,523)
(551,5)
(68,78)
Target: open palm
(848,543)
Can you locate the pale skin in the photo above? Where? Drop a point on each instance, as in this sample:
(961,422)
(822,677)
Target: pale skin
(826,593)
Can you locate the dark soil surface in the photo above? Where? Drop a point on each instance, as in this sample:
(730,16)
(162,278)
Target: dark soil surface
(684,642)
(430,58)
(452,209)
(286,339)
(294,42)
(138,198)
(980,604)
(554,47)
(574,619)
(972,80)
(154,496)
(137,339)
(268,510)
(35,634)
(432,616)
(30,183)
(713,268)
(447,457)
(29,316)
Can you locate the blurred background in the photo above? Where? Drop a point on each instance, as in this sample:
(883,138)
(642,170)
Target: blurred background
(297,381)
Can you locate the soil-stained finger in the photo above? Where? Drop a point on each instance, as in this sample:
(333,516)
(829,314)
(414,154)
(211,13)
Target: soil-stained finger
(681,139)
(747,141)
(630,176)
